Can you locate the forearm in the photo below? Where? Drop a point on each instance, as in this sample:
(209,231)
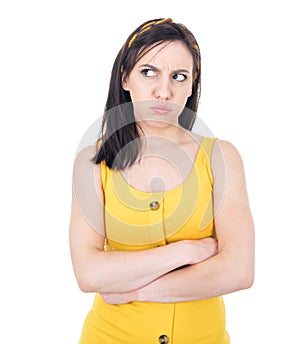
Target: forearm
(123,271)
(214,277)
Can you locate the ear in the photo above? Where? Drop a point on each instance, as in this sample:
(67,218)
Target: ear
(190,93)
(125,83)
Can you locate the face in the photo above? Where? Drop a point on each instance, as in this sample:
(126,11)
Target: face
(161,82)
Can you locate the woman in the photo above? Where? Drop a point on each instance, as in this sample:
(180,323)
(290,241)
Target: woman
(160,226)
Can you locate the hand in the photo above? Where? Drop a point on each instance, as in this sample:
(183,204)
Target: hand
(200,250)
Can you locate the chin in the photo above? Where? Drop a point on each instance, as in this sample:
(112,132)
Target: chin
(159,123)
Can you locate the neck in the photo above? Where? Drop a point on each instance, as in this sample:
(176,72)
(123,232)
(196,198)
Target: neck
(171,131)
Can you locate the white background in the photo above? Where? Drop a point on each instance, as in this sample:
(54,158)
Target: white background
(56,57)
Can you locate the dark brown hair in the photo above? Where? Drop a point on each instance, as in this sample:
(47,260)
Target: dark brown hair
(119,129)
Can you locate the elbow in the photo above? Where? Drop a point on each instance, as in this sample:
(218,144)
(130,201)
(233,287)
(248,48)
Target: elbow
(247,279)
(85,283)
(88,283)
(247,282)
(241,276)
(84,286)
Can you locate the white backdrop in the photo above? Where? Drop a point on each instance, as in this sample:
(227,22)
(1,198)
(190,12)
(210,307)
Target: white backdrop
(56,57)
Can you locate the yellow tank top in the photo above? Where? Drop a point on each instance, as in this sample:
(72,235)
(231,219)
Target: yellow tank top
(136,220)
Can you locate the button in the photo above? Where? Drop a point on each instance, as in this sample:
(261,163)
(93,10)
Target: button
(154,205)
(163,339)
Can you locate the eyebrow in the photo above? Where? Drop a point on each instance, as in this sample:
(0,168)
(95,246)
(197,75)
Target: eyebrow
(156,69)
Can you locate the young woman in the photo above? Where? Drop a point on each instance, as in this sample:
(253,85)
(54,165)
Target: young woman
(160,225)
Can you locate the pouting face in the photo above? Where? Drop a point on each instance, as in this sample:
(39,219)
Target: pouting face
(161,82)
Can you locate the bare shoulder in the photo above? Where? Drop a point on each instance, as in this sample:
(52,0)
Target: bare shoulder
(227,149)
(86,153)
(83,164)
(87,188)
(225,157)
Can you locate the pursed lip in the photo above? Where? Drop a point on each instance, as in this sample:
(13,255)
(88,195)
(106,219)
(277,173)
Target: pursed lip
(161,109)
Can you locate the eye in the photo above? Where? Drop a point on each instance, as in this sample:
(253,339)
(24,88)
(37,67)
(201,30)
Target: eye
(179,77)
(148,72)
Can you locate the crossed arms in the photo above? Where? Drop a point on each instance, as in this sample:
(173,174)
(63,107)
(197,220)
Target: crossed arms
(182,271)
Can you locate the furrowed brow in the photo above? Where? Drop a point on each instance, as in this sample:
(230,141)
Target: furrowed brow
(178,71)
(182,71)
(149,66)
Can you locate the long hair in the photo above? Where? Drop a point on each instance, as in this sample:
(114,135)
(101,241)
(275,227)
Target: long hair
(119,129)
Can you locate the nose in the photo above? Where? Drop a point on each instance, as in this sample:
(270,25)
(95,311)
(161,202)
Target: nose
(163,90)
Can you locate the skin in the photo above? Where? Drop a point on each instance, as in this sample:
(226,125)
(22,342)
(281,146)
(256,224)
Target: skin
(164,76)
(216,267)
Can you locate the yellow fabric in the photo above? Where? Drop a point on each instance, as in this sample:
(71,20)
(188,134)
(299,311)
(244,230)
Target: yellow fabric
(185,212)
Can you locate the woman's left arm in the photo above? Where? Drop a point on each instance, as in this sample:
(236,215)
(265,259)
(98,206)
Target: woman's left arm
(232,268)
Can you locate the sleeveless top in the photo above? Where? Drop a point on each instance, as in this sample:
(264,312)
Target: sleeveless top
(138,220)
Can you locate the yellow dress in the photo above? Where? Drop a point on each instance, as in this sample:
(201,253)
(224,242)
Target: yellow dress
(147,220)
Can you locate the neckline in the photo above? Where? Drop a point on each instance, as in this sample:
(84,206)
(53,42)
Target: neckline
(180,186)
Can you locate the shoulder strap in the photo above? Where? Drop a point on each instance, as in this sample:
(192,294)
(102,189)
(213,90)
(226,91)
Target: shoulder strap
(207,144)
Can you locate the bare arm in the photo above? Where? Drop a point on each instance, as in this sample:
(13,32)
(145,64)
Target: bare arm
(117,271)
(232,268)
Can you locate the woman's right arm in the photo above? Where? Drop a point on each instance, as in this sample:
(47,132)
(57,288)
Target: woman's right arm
(102,271)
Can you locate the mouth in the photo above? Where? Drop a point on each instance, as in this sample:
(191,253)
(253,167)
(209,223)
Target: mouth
(161,109)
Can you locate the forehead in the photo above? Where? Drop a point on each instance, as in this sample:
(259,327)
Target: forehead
(171,53)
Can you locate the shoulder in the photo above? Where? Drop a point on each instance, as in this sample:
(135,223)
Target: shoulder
(84,168)
(86,153)
(84,157)
(227,149)
(225,157)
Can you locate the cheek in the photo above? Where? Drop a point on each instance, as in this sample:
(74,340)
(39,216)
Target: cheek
(139,92)
(183,95)
(183,90)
